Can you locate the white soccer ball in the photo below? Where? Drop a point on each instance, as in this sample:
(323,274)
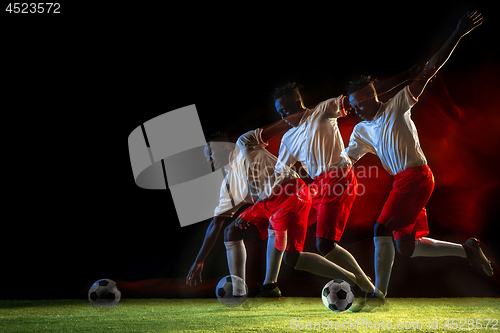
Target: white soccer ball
(224,290)
(104,293)
(337,295)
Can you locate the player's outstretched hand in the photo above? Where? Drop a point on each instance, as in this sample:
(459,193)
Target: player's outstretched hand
(194,274)
(469,22)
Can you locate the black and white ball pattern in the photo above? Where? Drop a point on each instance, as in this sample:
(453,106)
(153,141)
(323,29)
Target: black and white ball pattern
(224,290)
(337,295)
(104,292)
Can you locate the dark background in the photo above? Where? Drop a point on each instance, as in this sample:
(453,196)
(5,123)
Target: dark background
(76,85)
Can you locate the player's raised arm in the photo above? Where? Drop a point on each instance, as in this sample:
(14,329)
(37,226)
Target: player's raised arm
(468,22)
(213,231)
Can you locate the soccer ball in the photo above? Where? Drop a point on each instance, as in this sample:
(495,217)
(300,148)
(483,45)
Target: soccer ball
(224,290)
(104,293)
(337,295)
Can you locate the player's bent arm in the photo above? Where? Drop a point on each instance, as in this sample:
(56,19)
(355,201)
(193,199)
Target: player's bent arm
(467,23)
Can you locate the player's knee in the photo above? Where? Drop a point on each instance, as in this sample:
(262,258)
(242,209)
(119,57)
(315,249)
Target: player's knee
(232,233)
(406,245)
(380,230)
(291,257)
(325,245)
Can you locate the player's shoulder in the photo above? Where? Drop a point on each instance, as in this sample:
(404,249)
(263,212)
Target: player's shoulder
(329,108)
(249,138)
(327,103)
(403,97)
(248,135)
(400,94)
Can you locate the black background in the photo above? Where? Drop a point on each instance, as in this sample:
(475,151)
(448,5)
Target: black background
(77,84)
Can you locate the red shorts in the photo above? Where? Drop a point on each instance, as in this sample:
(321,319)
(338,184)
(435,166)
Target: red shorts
(287,210)
(404,211)
(333,193)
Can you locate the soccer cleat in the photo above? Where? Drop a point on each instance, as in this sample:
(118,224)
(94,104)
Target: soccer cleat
(360,298)
(269,290)
(476,256)
(368,302)
(374,301)
(358,305)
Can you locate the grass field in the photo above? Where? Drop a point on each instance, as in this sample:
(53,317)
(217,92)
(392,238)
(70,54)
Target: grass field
(287,314)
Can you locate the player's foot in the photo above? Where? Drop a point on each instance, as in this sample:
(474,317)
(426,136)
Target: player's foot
(368,302)
(375,300)
(358,292)
(359,299)
(358,305)
(476,256)
(269,290)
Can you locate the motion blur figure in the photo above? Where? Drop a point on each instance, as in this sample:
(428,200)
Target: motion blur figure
(248,167)
(315,141)
(389,132)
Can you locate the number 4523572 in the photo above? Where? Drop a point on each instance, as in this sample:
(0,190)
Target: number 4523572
(462,324)
(33,8)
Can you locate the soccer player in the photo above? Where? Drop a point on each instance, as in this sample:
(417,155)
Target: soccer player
(249,167)
(314,140)
(389,132)
(281,199)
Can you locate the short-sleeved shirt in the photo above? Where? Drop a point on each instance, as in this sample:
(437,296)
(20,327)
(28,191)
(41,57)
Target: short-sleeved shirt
(391,135)
(316,141)
(250,175)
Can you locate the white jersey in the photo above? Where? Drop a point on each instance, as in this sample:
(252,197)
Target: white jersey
(250,174)
(391,135)
(316,141)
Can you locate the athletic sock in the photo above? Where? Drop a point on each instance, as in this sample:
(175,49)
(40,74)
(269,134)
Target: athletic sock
(384,258)
(428,247)
(273,257)
(316,264)
(236,260)
(344,259)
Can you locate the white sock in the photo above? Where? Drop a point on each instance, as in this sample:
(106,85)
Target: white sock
(344,259)
(428,247)
(316,264)
(384,258)
(273,257)
(236,260)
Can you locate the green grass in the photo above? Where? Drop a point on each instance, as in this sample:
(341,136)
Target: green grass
(287,314)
